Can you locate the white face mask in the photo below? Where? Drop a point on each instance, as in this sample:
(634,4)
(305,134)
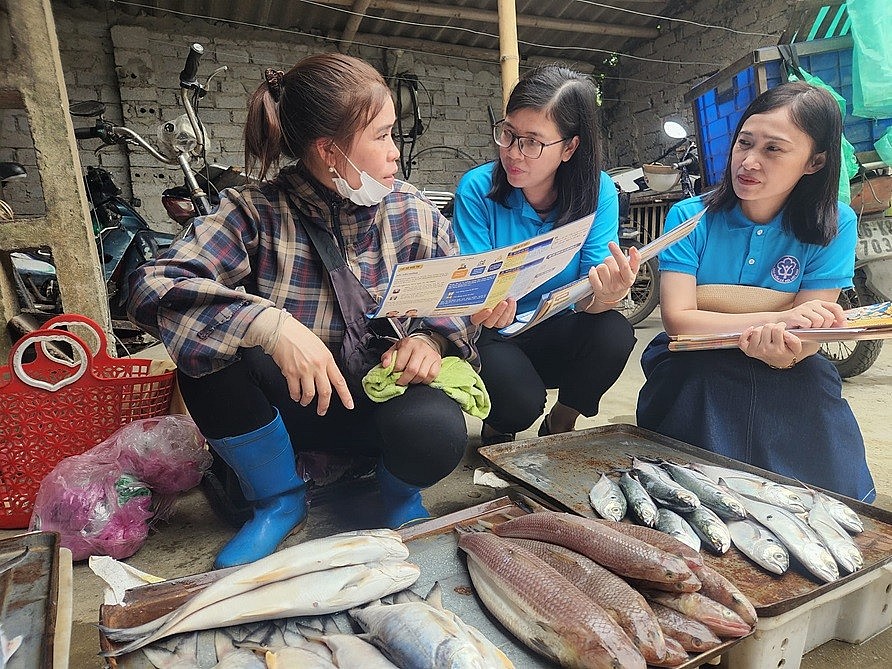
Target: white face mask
(370,192)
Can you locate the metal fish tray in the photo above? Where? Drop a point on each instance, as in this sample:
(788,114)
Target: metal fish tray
(432,546)
(562,469)
(29,585)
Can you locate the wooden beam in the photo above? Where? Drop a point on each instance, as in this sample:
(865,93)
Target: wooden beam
(458,51)
(359,9)
(492,18)
(509,58)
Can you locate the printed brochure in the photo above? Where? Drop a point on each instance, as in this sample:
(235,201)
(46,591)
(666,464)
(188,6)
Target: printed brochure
(872,321)
(465,284)
(559,299)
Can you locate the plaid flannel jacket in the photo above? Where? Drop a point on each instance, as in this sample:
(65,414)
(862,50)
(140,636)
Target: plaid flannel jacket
(200,297)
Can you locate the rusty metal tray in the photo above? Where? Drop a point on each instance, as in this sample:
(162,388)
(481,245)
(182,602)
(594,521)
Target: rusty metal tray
(432,546)
(562,469)
(29,583)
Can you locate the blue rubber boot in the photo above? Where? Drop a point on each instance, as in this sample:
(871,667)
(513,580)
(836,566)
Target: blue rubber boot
(263,460)
(401,501)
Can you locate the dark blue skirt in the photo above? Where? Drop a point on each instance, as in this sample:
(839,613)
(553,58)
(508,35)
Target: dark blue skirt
(794,422)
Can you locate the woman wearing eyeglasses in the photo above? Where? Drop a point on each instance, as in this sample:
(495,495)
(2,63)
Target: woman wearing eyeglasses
(548,174)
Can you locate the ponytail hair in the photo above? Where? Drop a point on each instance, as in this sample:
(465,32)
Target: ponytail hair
(328,95)
(263,132)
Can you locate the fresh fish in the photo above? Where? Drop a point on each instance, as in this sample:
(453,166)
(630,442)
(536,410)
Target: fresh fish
(619,552)
(726,506)
(835,538)
(242,658)
(717,617)
(694,636)
(676,655)
(659,539)
(675,526)
(643,509)
(180,650)
(760,545)
(710,528)
(289,658)
(607,498)
(542,608)
(621,601)
(349,650)
(840,511)
(314,577)
(802,541)
(662,488)
(754,486)
(718,588)
(691,584)
(418,634)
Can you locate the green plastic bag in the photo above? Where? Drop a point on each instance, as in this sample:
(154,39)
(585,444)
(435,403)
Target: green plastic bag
(871,57)
(849,164)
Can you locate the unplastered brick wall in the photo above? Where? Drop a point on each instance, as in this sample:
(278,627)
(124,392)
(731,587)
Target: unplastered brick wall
(641,95)
(132,64)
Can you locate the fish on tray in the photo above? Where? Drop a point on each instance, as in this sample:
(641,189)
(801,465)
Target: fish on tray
(643,509)
(542,608)
(624,604)
(709,493)
(662,488)
(621,553)
(841,546)
(675,526)
(607,498)
(760,545)
(421,633)
(800,540)
(319,576)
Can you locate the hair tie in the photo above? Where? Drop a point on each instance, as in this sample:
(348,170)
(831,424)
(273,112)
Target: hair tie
(274,82)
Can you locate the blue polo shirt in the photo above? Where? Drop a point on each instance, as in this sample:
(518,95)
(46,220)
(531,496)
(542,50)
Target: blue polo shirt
(482,224)
(728,248)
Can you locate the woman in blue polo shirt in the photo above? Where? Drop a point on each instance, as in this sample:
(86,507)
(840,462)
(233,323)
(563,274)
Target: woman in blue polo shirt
(548,174)
(770,255)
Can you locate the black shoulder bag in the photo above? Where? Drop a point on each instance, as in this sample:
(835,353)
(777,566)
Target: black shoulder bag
(365,339)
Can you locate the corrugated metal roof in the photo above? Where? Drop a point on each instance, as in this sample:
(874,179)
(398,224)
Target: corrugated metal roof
(579,31)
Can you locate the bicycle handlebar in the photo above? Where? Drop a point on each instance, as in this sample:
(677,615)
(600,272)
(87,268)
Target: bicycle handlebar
(86,133)
(190,69)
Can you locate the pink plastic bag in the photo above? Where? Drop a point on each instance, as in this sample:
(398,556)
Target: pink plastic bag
(101,502)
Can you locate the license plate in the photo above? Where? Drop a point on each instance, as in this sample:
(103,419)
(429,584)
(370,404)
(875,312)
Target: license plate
(874,238)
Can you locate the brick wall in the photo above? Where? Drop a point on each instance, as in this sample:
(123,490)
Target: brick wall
(641,95)
(131,63)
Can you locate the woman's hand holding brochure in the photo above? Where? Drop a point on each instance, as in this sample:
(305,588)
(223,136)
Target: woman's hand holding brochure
(561,298)
(872,321)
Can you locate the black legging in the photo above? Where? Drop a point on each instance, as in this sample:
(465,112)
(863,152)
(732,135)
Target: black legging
(421,434)
(582,355)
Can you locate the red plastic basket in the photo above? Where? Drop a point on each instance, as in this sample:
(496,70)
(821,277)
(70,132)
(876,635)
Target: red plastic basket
(52,408)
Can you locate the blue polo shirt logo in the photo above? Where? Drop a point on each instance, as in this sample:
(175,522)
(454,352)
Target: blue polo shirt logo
(785,270)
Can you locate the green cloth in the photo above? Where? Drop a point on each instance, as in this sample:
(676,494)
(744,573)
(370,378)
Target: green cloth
(456,378)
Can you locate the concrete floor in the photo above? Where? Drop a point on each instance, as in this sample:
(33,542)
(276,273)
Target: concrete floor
(188,541)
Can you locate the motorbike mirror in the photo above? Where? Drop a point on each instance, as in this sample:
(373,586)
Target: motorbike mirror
(675,130)
(87,108)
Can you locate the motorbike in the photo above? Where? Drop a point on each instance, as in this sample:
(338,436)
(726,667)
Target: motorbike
(680,175)
(123,237)
(872,282)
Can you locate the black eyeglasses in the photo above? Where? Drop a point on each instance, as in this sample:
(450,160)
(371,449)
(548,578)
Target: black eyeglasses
(531,148)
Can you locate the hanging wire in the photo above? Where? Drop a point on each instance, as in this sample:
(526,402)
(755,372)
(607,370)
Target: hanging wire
(674,20)
(402,22)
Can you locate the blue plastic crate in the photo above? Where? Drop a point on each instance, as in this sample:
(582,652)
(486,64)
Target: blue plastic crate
(719,102)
